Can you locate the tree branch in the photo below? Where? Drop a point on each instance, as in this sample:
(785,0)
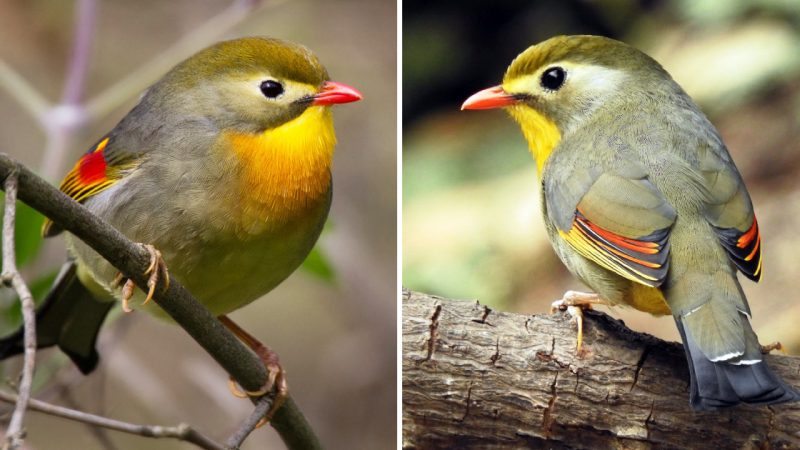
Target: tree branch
(132,260)
(237,439)
(182,432)
(12,277)
(473,377)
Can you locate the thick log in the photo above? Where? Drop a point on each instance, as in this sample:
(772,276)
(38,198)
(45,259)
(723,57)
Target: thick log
(477,378)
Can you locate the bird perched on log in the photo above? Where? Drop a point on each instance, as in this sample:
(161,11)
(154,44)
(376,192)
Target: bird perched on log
(223,171)
(643,203)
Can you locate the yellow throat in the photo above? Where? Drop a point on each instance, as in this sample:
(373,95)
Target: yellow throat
(285,171)
(540,132)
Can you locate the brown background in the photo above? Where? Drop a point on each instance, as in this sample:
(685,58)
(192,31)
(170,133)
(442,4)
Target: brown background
(336,340)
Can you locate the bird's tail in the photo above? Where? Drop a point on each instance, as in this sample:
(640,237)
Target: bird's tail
(716,385)
(69,317)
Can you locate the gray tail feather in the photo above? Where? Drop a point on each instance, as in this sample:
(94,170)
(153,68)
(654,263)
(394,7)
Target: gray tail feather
(69,317)
(717,385)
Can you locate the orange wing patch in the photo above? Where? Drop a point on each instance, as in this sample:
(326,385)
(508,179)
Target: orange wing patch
(744,249)
(644,259)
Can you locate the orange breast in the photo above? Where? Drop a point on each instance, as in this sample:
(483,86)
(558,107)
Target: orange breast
(284,172)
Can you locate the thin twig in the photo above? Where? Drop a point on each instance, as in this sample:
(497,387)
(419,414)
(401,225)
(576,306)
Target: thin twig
(100,434)
(10,276)
(236,439)
(9,220)
(181,432)
(133,260)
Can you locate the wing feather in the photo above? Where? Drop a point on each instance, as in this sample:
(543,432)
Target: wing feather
(94,172)
(744,249)
(622,222)
(730,211)
(644,260)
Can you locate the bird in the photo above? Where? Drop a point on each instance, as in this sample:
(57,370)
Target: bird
(222,171)
(643,203)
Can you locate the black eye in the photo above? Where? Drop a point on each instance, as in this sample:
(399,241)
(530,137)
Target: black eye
(271,88)
(553,78)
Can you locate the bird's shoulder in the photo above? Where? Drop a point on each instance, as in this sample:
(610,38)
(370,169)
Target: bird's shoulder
(105,163)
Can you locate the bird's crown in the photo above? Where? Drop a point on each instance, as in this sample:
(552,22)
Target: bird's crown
(250,55)
(580,49)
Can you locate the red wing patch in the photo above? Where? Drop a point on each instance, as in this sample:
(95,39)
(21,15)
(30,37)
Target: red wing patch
(643,259)
(744,249)
(89,176)
(92,168)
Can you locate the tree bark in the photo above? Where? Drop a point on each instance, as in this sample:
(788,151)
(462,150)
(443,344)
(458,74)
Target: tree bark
(474,377)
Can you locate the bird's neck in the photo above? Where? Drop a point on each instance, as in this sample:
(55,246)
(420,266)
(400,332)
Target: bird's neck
(285,171)
(541,133)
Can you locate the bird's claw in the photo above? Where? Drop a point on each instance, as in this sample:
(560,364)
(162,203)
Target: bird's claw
(276,379)
(157,266)
(156,269)
(575,303)
(767,349)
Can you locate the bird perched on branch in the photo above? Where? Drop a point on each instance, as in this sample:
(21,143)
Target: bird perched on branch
(223,170)
(643,203)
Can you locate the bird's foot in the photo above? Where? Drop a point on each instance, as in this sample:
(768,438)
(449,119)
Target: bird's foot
(766,349)
(276,376)
(276,379)
(574,302)
(156,269)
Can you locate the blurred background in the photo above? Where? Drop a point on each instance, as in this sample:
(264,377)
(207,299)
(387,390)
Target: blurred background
(471,221)
(332,323)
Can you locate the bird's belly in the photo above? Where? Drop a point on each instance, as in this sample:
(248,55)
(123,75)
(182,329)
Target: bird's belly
(222,270)
(229,274)
(647,299)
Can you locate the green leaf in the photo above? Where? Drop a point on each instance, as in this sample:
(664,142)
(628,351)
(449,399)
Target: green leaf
(27,232)
(10,311)
(317,264)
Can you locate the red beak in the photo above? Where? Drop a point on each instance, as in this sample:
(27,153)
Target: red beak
(494,97)
(333,93)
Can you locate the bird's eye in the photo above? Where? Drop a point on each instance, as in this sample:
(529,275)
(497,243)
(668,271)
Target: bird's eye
(553,78)
(271,88)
